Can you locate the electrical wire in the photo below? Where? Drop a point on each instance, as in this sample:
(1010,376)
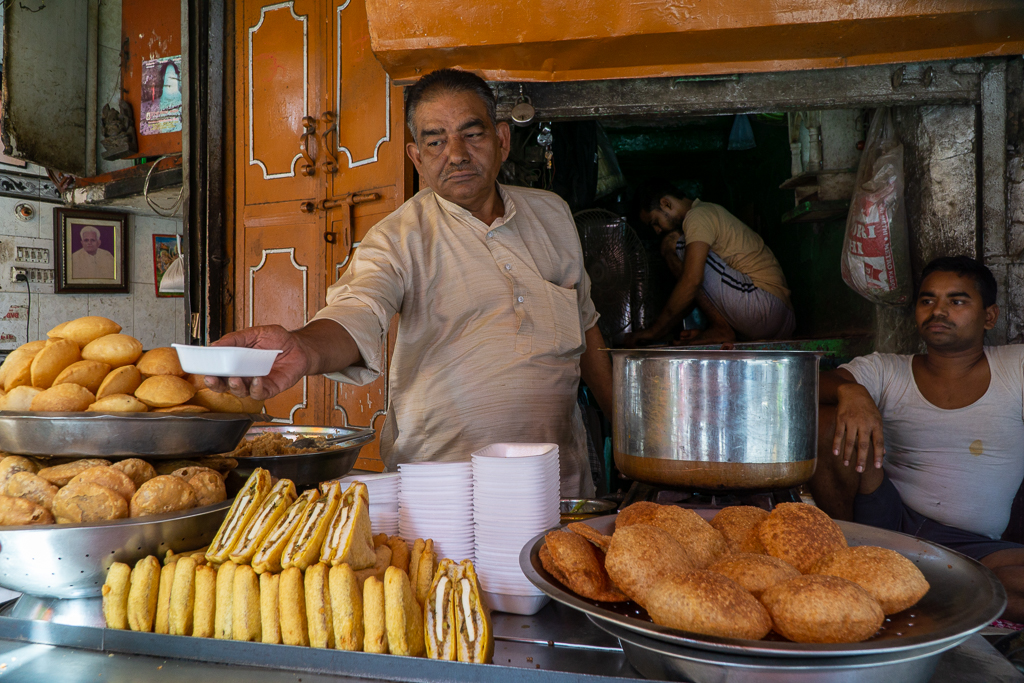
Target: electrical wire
(28,313)
(165,211)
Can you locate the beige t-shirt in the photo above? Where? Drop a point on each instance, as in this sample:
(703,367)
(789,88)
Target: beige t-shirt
(490,330)
(737,245)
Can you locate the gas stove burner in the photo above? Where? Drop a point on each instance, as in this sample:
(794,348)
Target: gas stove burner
(766,500)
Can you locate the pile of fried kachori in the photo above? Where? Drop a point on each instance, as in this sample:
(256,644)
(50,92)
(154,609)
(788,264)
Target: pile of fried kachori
(64,491)
(87,365)
(744,574)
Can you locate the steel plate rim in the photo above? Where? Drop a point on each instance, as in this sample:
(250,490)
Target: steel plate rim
(122,523)
(360,438)
(529,555)
(177,417)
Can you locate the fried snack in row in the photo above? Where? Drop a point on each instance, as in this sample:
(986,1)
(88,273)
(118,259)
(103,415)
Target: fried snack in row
(292,607)
(19,398)
(346,595)
(439,615)
(349,539)
(640,556)
(108,477)
(163,600)
(183,598)
(20,511)
(115,350)
(122,380)
(800,534)
(164,391)
(738,523)
(247,502)
(51,360)
(269,513)
(160,361)
(117,403)
(475,642)
(16,369)
(425,569)
(115,595)
(403,615)
(84,330)
(375,632)
(162,494)
(268,557)
(320,620)
(223,628)
(756,573)
(139,471)
(207,484)
(380,566)
(87,373)
(270,623)
(31,487)
(891,579)
(204,612)
(822,609)
(399,553)
(303,548)
(143,594)
(579,566)
(84,502)
(709,603)
(246,623)
(60,475)
(62,398)
(600,541)
(12,464)
(379,540)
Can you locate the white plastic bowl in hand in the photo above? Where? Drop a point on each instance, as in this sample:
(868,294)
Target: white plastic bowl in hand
(225,361)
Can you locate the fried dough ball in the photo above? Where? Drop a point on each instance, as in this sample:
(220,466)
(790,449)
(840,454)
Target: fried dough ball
(738,523)
(755,572)
(891,579)
(640,555)
(164,391)
(85,502)
(702,542)
(12,464)
(88,373)
(578,565)
(117,403)
(139,471)
(51,361)
(31,487)
(84,330)
(115,350)
(19,399)
(822,609)
(800,534)
(638,513)
(591,534)
(163,494)
(62,398)
(160,361)
(123,380)
(19,511)
(207,483)
(60,475)
(709,603)
(107,477)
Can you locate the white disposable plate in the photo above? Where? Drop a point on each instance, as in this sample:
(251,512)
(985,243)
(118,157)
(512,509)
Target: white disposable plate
(225,361)
(515,450)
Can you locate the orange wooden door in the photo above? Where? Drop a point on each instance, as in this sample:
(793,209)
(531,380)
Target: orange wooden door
(367,145)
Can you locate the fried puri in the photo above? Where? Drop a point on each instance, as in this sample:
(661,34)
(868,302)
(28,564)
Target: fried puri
(19,399)
(88,373)
(579,565)
(207,484)
(60,475)
(709,603)
(822,609)
(738,523)
(591,534)
(51,361)
(11,465)
(115,350)
(115,480)
(84,330)
(122,380)
(31,487)
(160,361)
(891,579)
(84,502)
(164,391)
(702,542)
(640,555)
(62,398)
(16,370)
(117,403)
(139,471)
(20,511)
(638,513)
(162,494)
(800,534)
(755,572)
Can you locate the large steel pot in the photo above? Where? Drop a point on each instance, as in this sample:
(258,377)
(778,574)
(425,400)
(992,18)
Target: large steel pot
(715,419)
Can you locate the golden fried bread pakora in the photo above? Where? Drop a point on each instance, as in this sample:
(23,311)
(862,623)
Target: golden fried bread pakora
(738,523)
(640,555)
(800,534)
(891,579)
(709,603)
(591,534)
(822,609)
(638,513)
(580,566)
(755,572)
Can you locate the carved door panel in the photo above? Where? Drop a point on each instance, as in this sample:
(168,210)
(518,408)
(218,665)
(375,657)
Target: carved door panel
(368,145)
(279,85)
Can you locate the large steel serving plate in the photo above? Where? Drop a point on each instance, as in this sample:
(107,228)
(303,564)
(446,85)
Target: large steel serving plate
(964,597)
(143,435)
(308,469)
(71,560)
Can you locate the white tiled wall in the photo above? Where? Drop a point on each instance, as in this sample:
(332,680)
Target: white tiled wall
(154,321)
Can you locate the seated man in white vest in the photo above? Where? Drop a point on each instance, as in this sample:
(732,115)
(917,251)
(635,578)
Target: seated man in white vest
(932,444)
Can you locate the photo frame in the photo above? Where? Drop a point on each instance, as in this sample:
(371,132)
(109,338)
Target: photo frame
(165,251)
(90,251)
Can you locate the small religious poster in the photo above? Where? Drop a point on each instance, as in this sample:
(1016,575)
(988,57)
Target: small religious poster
(161,96)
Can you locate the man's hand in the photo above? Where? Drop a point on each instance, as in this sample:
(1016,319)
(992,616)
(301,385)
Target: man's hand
(642,338)
(859,425)
(289,367)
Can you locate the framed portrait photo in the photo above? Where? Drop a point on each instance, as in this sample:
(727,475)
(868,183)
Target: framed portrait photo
(91,251)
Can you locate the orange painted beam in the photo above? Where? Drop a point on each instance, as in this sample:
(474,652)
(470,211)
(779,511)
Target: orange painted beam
(566,40)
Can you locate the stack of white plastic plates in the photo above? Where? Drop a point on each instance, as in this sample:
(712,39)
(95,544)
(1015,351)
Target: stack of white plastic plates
(383,489)
(515,497)
(436,501)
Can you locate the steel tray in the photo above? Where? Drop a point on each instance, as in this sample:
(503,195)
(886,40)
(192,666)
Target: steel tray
(71,560)
(964,597)
(145,435)
(308,469)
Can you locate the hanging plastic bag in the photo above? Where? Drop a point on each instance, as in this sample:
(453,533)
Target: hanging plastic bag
(876,248)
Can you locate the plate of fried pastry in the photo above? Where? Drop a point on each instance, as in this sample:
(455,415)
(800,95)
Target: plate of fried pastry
(743,581)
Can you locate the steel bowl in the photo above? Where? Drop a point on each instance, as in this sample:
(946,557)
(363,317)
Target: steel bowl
(713,420)
(307,469)
(138,435)
(71,560)
(576,509)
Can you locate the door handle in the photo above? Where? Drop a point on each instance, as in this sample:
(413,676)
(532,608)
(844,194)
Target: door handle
(347,203)
(309,133)
(330,164)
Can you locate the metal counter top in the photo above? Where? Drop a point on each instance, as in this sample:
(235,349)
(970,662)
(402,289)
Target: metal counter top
(557,645)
